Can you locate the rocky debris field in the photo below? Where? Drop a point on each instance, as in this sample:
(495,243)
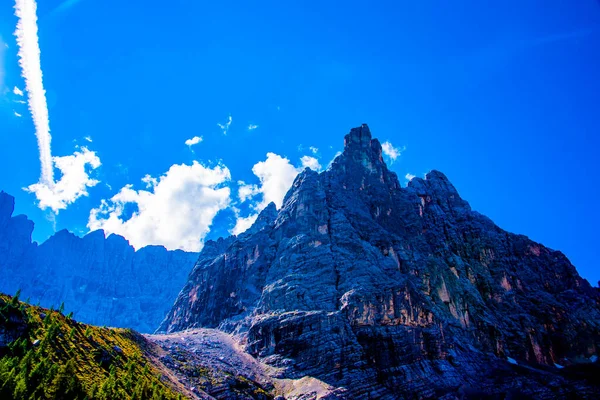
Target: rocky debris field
(212,364)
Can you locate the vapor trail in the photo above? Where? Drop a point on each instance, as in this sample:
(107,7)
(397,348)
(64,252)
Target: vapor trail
(31,70)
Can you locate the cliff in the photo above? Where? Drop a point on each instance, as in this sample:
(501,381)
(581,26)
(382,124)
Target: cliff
(390,292)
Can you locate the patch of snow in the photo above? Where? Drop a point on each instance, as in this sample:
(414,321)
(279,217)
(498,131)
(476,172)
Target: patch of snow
(558,366)
(594,358)
(512,361)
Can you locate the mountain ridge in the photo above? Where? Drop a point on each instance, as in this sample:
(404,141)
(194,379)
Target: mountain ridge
(404,290)
(103,279)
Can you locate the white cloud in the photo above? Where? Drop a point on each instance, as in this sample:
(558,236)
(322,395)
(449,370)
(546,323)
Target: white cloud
(177,212)
(88,139)
(73,183)
(276,175)
(20,101)
(17,114)
(252,127)
(246,192)
(149,181)
(336,155)
(74,179)
(225,127)
(310,162)
(409,177)
(243,224)
(314,149)
(29,60)
(193,141)
(392,152)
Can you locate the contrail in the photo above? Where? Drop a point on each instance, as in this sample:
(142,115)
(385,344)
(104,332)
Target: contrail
(29,60)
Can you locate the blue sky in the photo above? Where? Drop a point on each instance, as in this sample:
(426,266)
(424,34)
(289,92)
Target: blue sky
(503,98)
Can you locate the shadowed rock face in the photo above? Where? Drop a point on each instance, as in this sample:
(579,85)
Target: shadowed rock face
(104,281)
(392,291)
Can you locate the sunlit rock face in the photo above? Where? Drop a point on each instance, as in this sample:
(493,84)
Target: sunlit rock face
(104,281)
(394,292)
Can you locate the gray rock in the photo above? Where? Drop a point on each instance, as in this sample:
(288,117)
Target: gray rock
(392,292)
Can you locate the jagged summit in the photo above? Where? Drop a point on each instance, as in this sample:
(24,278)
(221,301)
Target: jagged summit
(361,149)
(359,137)
(265,218)
(385,292)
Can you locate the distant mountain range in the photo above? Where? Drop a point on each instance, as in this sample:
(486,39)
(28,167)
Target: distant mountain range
(103,280)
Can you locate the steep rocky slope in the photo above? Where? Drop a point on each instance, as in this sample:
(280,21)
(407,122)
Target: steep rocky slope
(104,281)
(391,292)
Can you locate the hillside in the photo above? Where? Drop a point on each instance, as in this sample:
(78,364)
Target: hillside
(47,355)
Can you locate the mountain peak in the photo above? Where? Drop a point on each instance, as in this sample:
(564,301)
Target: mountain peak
(361,163)
(361,280)
(360,146)
(360,136)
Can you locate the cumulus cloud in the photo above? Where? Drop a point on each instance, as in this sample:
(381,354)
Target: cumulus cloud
(310,162)
(252,127)
(88,139)
(225,127)
(74,182)
(242,224)
(149,181)
(176,212)
(276,175)
(193,141)
(17,91)
(392,152)
(409,177)
(246,192)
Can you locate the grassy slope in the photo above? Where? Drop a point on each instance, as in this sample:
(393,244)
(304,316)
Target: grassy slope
(73,360)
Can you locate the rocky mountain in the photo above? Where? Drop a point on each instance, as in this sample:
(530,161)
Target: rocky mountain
(103,280)
(381,291)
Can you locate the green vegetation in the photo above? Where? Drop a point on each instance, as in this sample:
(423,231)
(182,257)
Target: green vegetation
(54,357)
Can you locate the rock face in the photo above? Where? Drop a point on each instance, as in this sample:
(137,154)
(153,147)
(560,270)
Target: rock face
(391,292)
(104,281)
